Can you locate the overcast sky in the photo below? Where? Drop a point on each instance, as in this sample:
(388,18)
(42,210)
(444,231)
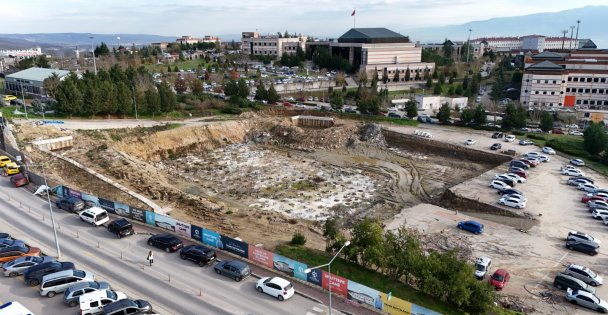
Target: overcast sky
(216,17)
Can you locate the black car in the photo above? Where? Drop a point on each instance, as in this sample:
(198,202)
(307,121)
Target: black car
(510,191)
(496,146)
(589,179)
(563,281)
(5,236)
(127,306)
(234,269)
(33,275)
(198,253)
(519,163)
(165,241)
(591,249)
(7,242)
(121,227)
(497,135)
(72,204)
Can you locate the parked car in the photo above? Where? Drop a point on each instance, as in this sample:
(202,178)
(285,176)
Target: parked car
(166,242)
(471,226)
(516,196)
(58,282)
(4,160)
(510,191)
(127,306)
(518,171)
(496,146)
(520,164)
(505,179)
(593,204)
(500,185)
(11,168)
(525,142)
(572,172)
(577,181)
(599,214)
(16,267)
(587,300)
(510,138)
(275,286)
(588,187)
(591,197)
(234,269)
(482,266)
(563,281)
(585,274)
(581,237)
(9,242)
(14,252)
(512,202)
(549,150)
(500,278)
(544,159)
(121,227)
(199,254)
(93,303)
(583,247)
(589,179)
(73,292)
(577,162)
(95,216)
(470,142)
(516,177)
(72,204)
(532,154)
(19,180)
(497,135)
(33,275)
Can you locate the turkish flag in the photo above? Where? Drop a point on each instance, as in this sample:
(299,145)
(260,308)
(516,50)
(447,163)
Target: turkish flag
(353,14)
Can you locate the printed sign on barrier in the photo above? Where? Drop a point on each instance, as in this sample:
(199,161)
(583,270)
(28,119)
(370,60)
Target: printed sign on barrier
(212,238)
(396,306)
(93,200)
(122,210)
(315,276)
(182,228)
(150,218)
(362,294)
(196,233)
(260,256)
(108,205)
(338,284)
(290,267)
(138,214)
(74,193)
(165,222)
(235,246)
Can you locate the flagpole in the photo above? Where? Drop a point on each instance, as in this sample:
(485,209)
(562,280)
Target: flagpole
(355,18)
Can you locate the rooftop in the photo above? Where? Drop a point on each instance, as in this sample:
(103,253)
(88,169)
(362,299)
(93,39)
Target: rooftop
(372,35)
(37,74)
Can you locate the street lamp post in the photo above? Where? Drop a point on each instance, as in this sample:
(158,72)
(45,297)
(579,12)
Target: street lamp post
(468,45)
(23,99)
(328,265)
(48,199)
(93,50)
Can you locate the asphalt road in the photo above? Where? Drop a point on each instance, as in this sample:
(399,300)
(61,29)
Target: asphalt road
(172,285)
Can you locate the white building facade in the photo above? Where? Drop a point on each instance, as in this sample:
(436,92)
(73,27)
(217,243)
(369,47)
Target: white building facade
(538,43)
(21,53)
(252,43)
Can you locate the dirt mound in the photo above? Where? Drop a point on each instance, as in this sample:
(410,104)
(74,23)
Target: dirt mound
(32,132)
(372,133)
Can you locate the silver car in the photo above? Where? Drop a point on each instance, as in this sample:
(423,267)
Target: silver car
(16,267)
(585,274)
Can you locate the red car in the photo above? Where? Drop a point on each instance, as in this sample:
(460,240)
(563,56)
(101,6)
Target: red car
(520,174)
(586,199)
(287,104)
(499,279)
(19,180)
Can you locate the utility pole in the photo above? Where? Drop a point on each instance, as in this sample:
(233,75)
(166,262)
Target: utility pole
(571,34)
(93,50)
(468,45)
(578,24)
(564,32)
(23,99)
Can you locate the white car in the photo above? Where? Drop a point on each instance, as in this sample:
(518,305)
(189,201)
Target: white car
(597,204)
(599,214)
(470,142)
(544,158)
(95,216)
(572,172)
(532,154)
(517,196)
(496,184)
(16,267)
(548,150)
(515,177)
(577,162)
(575,133)
(585,274)
(482,266)
(586,299)
(512,202)
(582,238)
(275,286)
(588,187)
(510,138)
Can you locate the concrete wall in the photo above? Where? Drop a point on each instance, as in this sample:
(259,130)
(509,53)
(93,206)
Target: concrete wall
(296,87)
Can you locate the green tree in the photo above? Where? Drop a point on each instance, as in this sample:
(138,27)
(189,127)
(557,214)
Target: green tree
(396,77)
(411,109)
(261,93)
(479,116)
(437,89)
(408,75)
(465,83)
(243,88)
(467,115)
(429,82)
(435,73)
(25,63)
(168,68)
(273,96)
(69,97)
(168,100)
(595,139)
(442,78)
(91,95)
(375,79)
(43,62)
(444,113)
(367,242)
(331,232)
(514,117)
(451,90)
(448,48)
(102,50)
(384,76)
(51,84)
(336,100)
(108,104)
(459,90)
(175,69)
(152,101)
(546,121)
(231,88)
(196,87)
(123,99)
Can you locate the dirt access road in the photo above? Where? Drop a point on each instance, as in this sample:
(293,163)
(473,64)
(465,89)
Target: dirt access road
(534,257)
(99,124)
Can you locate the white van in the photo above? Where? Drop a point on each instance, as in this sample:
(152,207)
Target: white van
(14,308)
(59,281)
(95,216)
(92,303)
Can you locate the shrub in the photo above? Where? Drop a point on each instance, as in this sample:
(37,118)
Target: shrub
(230,109)
(298,239)
(518,133)
(537,137)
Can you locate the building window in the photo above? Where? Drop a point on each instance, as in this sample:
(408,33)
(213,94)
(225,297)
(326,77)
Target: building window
(567,89)
(588,79)
(526,91)
(587,90)
(575,79)
(544,92)
(552,93)
(563,81)
(593,90)
(585,102)
(535,92)
(603,80)
(578,102)
(591,102)
(569,79)
(546,81)
(554,82)
(596,79)
(561,92)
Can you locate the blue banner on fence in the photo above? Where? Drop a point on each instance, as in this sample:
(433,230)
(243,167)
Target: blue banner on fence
(138,214)
(196,233)
(150,218)
(212,238)
(122,210)
(108,205)
(289,266)
(90,199)
(235,246)
(315,276)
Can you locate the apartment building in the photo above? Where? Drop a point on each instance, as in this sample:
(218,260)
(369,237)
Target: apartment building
(576,79)
(21,53)
(537,43)
(379,50)
(252,43)
(193,40)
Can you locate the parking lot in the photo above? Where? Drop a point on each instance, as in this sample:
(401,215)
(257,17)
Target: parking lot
(532,251)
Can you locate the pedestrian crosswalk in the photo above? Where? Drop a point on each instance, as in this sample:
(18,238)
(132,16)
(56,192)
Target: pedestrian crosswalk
(321,309)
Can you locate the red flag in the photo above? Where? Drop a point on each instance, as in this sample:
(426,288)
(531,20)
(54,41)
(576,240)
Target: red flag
(353,14)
